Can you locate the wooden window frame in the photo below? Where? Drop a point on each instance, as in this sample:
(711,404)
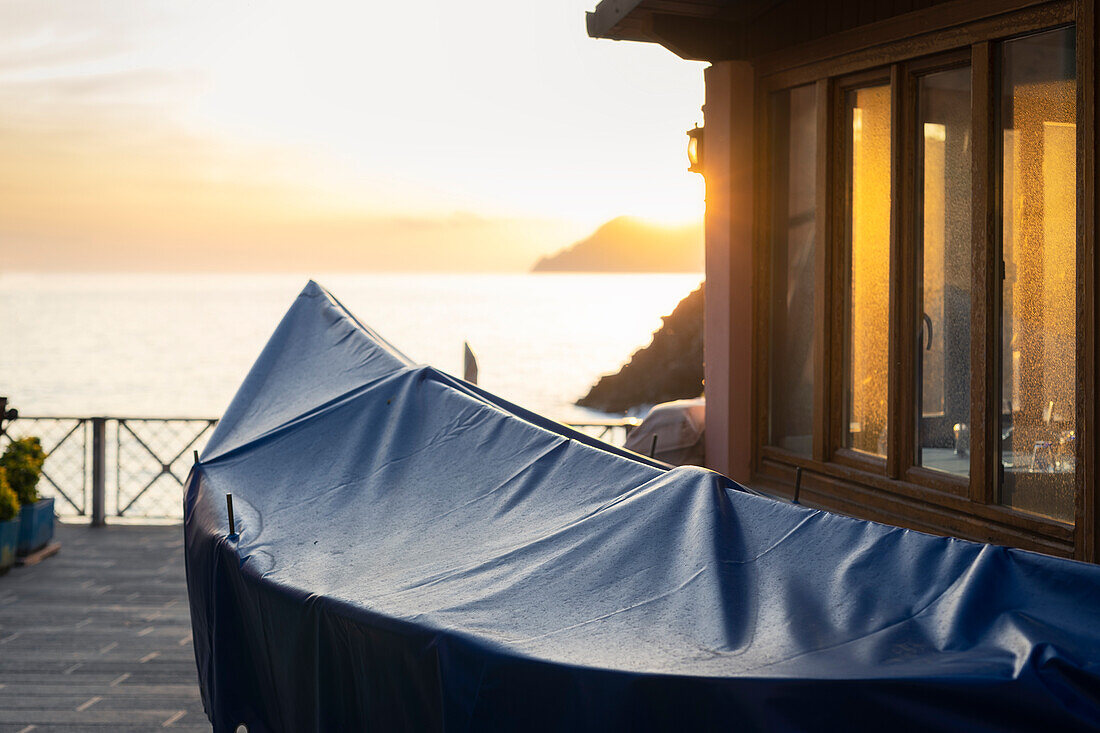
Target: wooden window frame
(895,490)
(910,249)
(995,486)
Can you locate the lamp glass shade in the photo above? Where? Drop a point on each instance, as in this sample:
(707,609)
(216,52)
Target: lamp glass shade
(695,150)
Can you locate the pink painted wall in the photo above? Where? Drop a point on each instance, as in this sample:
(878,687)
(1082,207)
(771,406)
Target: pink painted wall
(728,355)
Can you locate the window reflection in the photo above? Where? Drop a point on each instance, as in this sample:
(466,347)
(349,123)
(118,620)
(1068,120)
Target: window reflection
(943,329)
(866,360)
(793,156)
(1038,238)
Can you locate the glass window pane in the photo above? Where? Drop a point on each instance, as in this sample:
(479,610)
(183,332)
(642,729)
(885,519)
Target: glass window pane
(943,331)
(794,151)
(1039,246)
(866,358)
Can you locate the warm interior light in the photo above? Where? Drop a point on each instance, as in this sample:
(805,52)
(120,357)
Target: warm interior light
(695,149)
(869,285)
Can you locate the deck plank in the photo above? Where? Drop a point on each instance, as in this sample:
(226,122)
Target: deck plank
(98,637)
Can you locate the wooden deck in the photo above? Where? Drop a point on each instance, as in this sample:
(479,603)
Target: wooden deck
(98,637)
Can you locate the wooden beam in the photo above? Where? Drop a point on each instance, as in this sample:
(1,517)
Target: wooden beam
(698,39)
(1087,514)
(900,378)
(823,267)
(985,403)
(939,28)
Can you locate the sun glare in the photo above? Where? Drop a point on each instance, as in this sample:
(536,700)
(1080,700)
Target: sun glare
(240,116)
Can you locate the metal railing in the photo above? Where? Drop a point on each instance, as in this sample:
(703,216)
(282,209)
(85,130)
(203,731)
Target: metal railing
(135,467)
(124,467)
(610,431)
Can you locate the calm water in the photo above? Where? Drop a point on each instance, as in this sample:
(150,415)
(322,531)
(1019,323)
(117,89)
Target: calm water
(179,345)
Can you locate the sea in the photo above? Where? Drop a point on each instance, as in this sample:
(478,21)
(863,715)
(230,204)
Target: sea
(179,345)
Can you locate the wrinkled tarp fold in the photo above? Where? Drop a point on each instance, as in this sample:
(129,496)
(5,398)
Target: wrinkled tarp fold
(417,554)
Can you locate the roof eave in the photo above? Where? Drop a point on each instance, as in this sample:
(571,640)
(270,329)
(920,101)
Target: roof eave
(692,38)
(604,21)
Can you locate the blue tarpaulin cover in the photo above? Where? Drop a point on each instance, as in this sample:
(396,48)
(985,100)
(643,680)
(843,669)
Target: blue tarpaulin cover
(417,554)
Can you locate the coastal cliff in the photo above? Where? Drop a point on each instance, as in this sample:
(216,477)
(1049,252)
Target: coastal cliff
(630,245)
(669,368)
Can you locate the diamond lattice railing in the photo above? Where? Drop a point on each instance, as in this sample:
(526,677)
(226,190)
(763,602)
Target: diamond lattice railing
(65,473)
(153,458)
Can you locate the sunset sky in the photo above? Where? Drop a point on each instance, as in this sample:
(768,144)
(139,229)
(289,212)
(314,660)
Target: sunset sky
(288,135)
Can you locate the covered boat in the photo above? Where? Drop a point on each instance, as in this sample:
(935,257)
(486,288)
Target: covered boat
(413,553)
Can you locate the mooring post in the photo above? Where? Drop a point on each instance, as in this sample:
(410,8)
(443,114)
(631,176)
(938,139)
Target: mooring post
(99,471)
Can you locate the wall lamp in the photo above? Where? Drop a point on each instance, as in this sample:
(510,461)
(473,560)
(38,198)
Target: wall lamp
(695,149)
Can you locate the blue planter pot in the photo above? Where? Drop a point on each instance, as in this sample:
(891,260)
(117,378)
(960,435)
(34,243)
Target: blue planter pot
(9,538)
(35,526)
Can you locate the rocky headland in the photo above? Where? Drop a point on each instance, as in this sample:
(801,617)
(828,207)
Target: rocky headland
(669,368)
(625,244)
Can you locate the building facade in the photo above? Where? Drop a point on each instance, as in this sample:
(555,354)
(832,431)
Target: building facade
(901,281)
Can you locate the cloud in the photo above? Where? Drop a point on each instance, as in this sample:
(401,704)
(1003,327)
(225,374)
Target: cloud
(137,85)
(24,57)
(104,193)
(212,135)
(290,244)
